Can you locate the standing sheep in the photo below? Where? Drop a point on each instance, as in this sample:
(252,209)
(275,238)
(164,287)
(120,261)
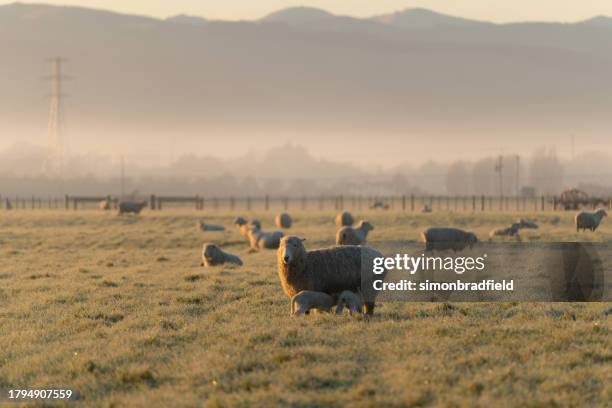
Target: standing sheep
(210,227)
(589,221)
(213,255)
(135,207)
(344,219)
(283,220)
(330,270)
(307,300)
(352,301)
(245,227)
(264,240)
(354,236)
(441,238)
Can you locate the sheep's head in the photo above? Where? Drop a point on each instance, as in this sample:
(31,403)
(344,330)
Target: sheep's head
(366,226)
(291,248)
(255,224)
(472,238)
(210,251)
(239,221)
(523,223)
(602,213)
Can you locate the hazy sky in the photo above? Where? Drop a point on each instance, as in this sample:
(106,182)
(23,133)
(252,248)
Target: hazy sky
(491,10)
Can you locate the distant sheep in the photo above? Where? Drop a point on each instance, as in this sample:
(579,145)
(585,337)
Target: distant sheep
(589,221)
(426,209)
(351,300)
(379,204)
(212,255)
(441,238)
(283,220)
(306,300)
(264,240)
(244,226)
(104,205)
(330,270)
(354,236)
(523,223)
(511,231)
(210,227)
(135,207)
(345,219)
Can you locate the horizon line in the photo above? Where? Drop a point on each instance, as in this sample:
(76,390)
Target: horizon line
(259,19)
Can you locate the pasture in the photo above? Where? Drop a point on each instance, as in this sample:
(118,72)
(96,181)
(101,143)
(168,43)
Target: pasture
(119,310)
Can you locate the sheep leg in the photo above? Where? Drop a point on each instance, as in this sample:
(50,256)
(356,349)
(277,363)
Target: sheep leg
(369,308)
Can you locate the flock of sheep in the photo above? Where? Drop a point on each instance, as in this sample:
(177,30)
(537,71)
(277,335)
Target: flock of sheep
(323,278)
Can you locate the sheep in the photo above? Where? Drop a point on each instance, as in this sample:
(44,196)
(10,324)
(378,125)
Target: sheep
(344,219)
(441,238)
(213,255)
(352,301)
(210,227)
(379,204)
(245,227)
(330,270)
(589,221)
(426,209)
(104,205)
(131,207)
(307,300)
(511,231)
(523,223)
(264,240)
(354,236)
(283,220)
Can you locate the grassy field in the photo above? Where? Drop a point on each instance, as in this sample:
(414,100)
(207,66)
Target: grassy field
(118,309)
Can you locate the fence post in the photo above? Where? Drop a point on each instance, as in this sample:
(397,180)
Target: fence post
(403,203)
(152,204)
(304,203)
(67,201)
(248,203)
(267,202)
(542,202)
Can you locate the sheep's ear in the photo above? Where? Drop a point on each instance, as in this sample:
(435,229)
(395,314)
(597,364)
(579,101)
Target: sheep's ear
(302,239)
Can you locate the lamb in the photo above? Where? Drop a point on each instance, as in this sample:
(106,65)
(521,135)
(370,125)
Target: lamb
(210,227)
(306,300)
(283,220)
(344,219)
(131,207)
(264,240)
(354,236)
(352,301)
(212,255)
(330,270)
(589,221)
(441,238)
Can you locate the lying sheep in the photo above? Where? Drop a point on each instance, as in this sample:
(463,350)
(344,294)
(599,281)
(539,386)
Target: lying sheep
(441,238)
(264,240)
(354,236)
(344,219)
(426,209)
(589,221)
(212,255)
(511,231)
(306,300)
(523,223)
(330,270)
(135,207)
(210,227)
(379,204)
(283,220)
(351,300)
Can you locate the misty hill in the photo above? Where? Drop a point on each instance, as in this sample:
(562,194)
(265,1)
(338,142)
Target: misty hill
(423,18)
(348,88)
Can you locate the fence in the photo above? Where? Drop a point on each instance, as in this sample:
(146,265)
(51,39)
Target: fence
(409,203)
